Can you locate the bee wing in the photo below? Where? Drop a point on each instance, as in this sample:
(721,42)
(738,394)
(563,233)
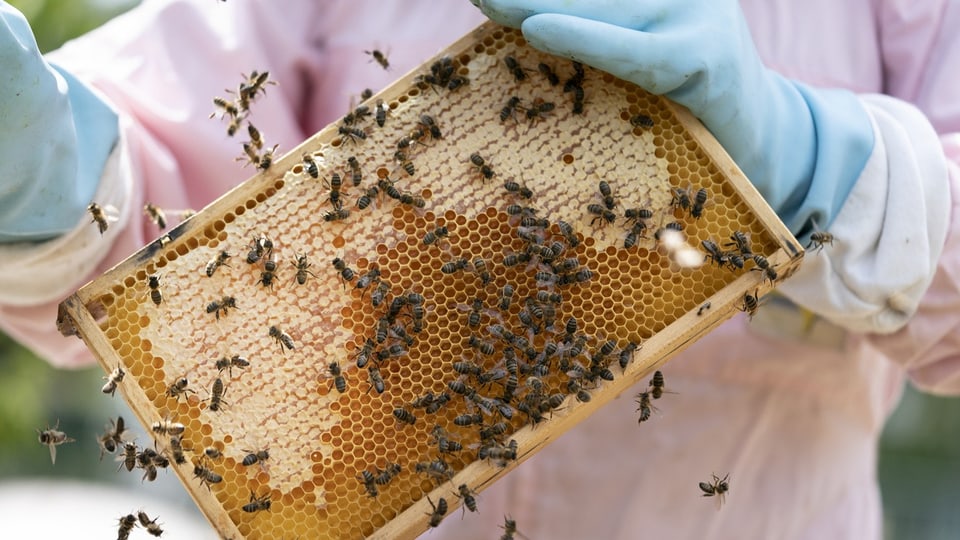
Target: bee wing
(720,499)
(53,453)
(110,213)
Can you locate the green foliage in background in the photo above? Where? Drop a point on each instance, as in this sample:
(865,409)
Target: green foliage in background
(56,21)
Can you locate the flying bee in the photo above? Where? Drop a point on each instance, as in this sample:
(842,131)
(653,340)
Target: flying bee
(112,438)
(178,388)
(716,488)
(346,273)
(818,238)
(167,427)
(227,107)
(508,110)
(643,406)
(454,266)
(302,265)
(404,416)
(376,380)
(439,510)
(102,216)
(254,83)
(220,306)
(149,524)
(156,215)
(255,456)
(206,476)
(113,379)
(338,380)
(128,459)
(433,236)
(369,483)
(379,57)
(383,477)
(127,523)
(699,199)
(220,260)
(52,437)
(156,295)
(641,121)
(601,214)
(282,338)
(310,165)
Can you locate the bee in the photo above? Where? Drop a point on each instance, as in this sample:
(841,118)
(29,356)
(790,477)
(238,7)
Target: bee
(514,187)
(509,528)
(431,125)
(381,113)
(302,265)
(499,453)
(178,388)
(716,488)
(127,523)
(338,380)
(337,214)
(368,196)
(607,195)
(574,387)
(473,320)
(681,198)
(166,427)
(508,109)
(643,406)
(346,274)
(149,524)
(256,140)
(259,247)
(101,217)
(206,475)
(741,241)
(439,510)
(547,72)
(404,416)
(154,283)
(255,82)
(53,438)
(485,170)
(220,306)
(227,107)
(763,265)
(433,236)
(656,385)
(282,338)
(236,122)
(750,304)
(699,199)
(578,100)
(129,458)
(538,110)
(176,448)
(255,456)
(518,72)
(269,272)
(379,57)
(506,298)
(468,419)
(369,483)
(352,134)
(626,354)
(214,264)
(641,121)
(818,238)
(212,452)
(310,165)
(714,253)
(568,233)
(601,214)
(156,215)
(376,380)
(113,379)
(372,276)
(112,438)
(703,309)
(384,476)
(637,214)
(454,266)
(635,234)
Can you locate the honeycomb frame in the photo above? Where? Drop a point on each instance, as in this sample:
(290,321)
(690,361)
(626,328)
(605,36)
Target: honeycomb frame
(320,440)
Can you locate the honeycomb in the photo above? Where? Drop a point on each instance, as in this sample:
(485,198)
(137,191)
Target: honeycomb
(423,304)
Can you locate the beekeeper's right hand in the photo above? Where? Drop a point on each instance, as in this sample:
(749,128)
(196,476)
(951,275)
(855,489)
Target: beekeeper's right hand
(55,136)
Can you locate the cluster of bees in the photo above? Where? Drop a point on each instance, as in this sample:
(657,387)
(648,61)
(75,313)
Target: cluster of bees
(129,521)
(236,111)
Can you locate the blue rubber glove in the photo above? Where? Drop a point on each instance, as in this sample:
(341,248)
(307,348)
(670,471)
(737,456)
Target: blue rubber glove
(55,136)
(802,147)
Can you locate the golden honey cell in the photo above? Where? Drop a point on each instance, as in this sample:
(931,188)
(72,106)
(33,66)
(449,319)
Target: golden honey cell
(408,310)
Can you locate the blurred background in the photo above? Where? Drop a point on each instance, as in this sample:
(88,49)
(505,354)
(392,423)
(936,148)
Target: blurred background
(919,454)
